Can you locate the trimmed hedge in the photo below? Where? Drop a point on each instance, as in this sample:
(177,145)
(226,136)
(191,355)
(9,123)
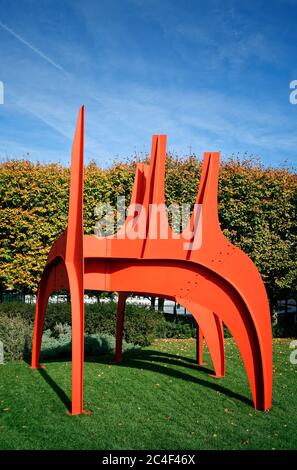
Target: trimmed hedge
(16,335)
(57,344)
(142,326)
(140,323)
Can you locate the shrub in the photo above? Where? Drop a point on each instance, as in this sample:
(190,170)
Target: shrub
(284,329)
(140,322)
(100,324)
(15,333)
(57,344)
(176,328)
(56,313)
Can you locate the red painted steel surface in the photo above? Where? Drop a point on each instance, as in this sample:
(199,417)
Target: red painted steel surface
(217,282)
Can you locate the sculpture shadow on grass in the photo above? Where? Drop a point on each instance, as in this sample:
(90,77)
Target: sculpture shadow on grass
(154,361)
(56,388)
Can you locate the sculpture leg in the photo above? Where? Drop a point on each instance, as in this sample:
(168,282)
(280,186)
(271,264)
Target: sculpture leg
(77,315)
(220,368)
(53,278)
(44,291)
(120,326)
(199,345)
(211,328)
(245,334)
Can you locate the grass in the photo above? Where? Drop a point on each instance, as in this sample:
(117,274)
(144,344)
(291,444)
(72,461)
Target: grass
(157,399)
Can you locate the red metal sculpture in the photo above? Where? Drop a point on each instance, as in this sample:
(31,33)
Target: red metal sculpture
(217,282)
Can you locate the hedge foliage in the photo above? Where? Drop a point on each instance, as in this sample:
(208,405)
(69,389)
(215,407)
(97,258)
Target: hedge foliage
(16,336)
(142,326)
(57,344)
(257,208)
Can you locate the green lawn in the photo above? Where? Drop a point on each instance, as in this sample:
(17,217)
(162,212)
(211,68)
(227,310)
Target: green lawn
(158,399)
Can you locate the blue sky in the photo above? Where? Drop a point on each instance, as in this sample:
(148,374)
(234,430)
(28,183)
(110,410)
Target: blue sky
(212,75)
